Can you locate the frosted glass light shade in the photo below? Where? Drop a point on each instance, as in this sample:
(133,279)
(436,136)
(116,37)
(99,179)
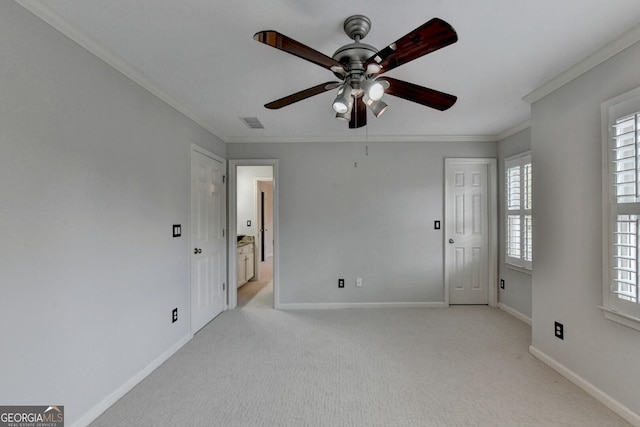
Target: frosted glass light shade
(343,100)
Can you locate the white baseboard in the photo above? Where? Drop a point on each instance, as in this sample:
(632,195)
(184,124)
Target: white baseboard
(97,410)
(515,313)
(585,385)
(337,305)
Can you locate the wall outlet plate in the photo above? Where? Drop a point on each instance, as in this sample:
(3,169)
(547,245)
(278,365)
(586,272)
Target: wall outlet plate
(559,330)
(177,230)
(341,283)
(501,283)
(359,282)
(436,225)
(174,315)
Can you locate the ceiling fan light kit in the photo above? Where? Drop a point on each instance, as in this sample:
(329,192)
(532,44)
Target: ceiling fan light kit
(359,66)
(343,101)
(373,89)
(377,107)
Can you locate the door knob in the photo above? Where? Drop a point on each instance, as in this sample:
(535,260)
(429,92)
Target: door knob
(451,241)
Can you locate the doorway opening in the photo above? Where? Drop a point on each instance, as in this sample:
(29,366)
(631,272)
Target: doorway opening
(253,234)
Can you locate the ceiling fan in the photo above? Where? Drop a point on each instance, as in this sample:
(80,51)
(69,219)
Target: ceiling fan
(359,67)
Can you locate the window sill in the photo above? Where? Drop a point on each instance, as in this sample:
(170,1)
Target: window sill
(517,268)
(623,319)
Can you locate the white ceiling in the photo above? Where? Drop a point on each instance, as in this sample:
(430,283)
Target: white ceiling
(201,57)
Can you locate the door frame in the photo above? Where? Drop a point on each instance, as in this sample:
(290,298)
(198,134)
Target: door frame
(232,258)
(492,214)
(196,148)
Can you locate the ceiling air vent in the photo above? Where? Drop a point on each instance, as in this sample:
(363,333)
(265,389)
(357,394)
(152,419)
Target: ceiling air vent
(252,122)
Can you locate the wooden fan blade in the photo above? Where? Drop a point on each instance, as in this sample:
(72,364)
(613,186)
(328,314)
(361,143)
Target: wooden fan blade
(282,42)
(422,95)
(358,114)
(303,94)
(427,38)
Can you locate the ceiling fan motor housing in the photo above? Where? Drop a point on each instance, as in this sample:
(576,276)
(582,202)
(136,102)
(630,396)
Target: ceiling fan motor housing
(354,55)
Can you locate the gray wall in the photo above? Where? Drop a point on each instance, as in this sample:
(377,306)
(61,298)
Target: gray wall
(93,173)
(517,291)
(373,221)
(567,214)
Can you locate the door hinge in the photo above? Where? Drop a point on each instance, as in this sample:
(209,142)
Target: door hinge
(224,179)
(224,286)
(223,232)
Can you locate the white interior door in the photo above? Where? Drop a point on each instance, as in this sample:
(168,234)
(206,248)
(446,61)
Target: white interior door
(468,222)
(208,252)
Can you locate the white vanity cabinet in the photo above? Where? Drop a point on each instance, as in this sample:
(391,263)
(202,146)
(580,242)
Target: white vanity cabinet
(245,263)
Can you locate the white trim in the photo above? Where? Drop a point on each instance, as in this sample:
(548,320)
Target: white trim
(601,55)
(515,313)
(125,388)
(362,138)
(512,131)
(204,151)
(609,103)
(492,206)
(340,305)
(42,11)
(623,319)
(517,268)
(517,156)
(585,385)
(233,228)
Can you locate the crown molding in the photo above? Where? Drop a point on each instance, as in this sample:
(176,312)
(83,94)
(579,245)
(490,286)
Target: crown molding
(42,11)
(601,55)
(512,131)
(363,138)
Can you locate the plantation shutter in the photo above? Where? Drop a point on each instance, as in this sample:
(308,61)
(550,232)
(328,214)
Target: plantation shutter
(625,212)
(518,233)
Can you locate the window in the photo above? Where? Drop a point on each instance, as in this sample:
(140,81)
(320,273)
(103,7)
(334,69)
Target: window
(621,139)
(518,220)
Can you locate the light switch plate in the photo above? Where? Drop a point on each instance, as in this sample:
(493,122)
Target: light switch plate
(177,230)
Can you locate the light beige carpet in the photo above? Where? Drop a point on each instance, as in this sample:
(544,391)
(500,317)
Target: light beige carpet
(461,366)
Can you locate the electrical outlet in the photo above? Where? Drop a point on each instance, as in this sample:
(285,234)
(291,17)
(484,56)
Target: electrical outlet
(177,230)
(501,283)
(359,282)
(341,283)
(174,315)
(436,225)
(559,330)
